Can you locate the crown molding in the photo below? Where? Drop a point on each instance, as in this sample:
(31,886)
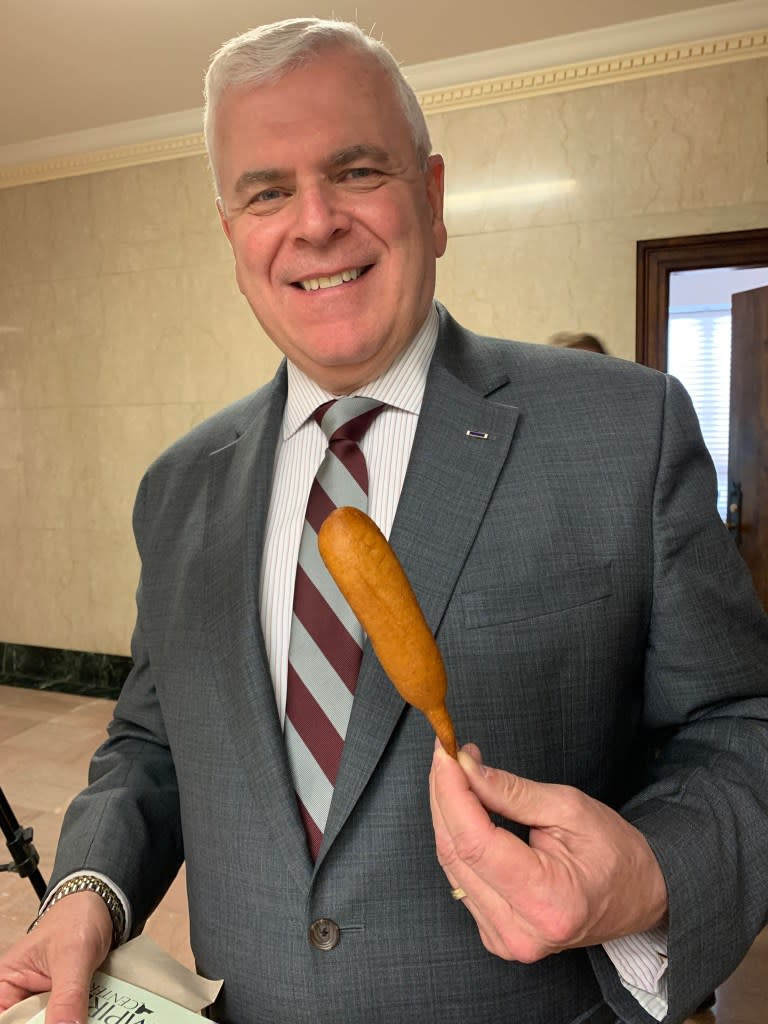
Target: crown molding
(578,61)
(73,164)
(705,23)
(602,71)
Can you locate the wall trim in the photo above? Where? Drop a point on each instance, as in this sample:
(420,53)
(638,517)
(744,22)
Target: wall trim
(602,70)
(110,159)
(60,670)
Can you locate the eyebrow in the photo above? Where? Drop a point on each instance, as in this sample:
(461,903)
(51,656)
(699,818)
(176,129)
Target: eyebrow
(362,150)
(341,158)
(267,176)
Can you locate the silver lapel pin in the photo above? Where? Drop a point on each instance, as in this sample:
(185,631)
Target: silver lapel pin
(479,434)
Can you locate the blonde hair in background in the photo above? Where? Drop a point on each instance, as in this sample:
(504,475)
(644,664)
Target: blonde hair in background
(578,339)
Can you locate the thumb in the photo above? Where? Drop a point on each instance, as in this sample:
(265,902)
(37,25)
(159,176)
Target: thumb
(78,934)
(68,1003)
(536,804)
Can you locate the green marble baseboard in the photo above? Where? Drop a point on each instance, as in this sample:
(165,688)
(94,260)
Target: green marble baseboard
(63,671)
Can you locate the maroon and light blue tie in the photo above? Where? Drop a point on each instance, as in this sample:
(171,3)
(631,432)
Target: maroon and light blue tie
(325,646)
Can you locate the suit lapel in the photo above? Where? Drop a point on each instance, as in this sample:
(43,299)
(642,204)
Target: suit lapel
(239,485)
(430,536)
(461,445)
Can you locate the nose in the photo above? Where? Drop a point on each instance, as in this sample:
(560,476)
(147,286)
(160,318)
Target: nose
(320,215)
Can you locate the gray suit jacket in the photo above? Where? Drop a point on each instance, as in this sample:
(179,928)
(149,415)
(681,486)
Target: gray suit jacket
(598,628)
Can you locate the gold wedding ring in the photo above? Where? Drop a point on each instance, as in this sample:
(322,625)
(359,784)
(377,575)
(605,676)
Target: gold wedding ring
(458,893)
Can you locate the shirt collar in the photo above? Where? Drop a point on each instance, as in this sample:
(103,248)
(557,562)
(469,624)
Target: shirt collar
(401,385)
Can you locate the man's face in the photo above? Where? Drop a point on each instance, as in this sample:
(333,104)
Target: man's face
(334,228)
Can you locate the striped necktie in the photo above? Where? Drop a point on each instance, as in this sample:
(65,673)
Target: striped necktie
(325,646)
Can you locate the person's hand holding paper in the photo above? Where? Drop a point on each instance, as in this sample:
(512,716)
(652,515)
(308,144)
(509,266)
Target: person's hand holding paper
(138,983)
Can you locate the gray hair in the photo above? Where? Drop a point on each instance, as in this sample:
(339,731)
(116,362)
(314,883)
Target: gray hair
(267,53)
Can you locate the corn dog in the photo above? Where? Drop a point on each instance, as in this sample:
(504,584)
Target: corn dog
(367,572)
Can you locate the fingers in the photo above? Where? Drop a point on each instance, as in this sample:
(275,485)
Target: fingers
(464,832)
(536,804)
(585,874)
(11,994)
(23,972)
(488,863)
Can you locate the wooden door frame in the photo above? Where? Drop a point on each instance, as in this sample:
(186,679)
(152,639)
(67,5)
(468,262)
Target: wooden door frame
(657,258)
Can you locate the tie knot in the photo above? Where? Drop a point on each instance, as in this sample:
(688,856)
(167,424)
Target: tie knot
(347,419)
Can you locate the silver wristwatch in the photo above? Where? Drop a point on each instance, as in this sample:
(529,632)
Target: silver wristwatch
(90,883)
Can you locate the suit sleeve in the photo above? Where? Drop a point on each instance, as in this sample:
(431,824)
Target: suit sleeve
(704,807)
(126,824)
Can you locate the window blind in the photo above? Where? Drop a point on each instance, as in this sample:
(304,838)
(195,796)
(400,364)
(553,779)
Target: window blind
(699,355)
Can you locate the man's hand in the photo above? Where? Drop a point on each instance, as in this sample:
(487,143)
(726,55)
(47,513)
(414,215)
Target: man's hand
(60,954)
(585,876)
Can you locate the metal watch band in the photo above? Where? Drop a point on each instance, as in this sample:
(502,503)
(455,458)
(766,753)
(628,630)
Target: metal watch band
(90,883)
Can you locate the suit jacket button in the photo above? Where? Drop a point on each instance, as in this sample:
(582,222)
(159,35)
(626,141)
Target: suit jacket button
(324,934)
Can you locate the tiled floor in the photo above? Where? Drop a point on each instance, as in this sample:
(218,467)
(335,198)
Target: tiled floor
(46,740)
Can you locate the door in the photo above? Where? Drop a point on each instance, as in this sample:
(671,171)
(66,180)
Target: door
(748,446)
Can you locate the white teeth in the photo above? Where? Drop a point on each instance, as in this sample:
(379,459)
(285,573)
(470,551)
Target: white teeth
(315,283)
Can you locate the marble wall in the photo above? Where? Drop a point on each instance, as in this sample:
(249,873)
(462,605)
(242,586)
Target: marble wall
(122,325)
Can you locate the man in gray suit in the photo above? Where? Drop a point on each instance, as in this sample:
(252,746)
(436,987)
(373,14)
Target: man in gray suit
(555,513)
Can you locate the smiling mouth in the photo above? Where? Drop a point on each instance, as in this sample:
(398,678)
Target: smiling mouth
(314,284)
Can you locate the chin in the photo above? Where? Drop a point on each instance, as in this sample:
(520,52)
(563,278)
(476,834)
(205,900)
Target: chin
(343,352)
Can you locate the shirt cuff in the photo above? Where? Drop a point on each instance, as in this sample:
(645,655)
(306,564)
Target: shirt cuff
(641,963)
(104,878)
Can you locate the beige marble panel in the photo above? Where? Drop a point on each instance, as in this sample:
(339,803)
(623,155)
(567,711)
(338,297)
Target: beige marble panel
(155,216)
(530,283)
(10,437)
(21,303)
(160,215)
(83,465)
(49,230)
(11,352)
(105,614)
(11,567)
(73,555)
(10,500)
(63,329)
(145,338)
(691,141)
(105,340)
(43,592)
(72,480)
(9,382)
(11,467)
(16,218)
(526,163)
(228,354)
(516,284)
(75,591)
(668,143)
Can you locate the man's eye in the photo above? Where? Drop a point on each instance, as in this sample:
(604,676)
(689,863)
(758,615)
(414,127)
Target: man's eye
(361,176)
(267,195)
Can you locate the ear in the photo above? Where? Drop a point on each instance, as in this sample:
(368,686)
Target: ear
(223,218)
(435,179)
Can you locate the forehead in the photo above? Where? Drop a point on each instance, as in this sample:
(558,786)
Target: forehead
(338,98)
